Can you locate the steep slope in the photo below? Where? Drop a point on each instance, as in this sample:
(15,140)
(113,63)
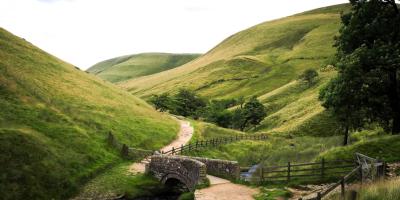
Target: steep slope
(268,55)
(133,66)
(263,61)
(54,121)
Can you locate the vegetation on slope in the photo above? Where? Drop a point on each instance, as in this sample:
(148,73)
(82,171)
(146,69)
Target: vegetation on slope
(54,120)
(264,61)
(254,61)
(133,66)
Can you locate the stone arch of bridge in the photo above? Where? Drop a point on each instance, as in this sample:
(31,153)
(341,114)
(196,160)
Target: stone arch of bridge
(173,176)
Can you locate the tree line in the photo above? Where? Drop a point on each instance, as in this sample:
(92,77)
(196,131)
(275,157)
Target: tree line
(367,88)
(228,113)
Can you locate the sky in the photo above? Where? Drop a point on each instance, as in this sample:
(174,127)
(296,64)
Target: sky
(84,32)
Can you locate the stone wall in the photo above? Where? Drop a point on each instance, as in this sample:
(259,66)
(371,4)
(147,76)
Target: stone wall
(129,153)
(135,154)
(221,168)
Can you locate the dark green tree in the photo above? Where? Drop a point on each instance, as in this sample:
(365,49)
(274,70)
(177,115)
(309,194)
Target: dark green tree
(345,107)
(188,103)
(252,113)
(369,62)
(309,76)
(162,102)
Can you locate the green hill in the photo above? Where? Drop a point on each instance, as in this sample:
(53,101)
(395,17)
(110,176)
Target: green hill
(54,121)
(133,66)
(263,61)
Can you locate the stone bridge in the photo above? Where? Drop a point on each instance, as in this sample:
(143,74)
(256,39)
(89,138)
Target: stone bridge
(190,171)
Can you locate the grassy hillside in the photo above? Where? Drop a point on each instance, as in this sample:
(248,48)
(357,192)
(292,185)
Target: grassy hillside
(54,120)
(133,66)
(264,61)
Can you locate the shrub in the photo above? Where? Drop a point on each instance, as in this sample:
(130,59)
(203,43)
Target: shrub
(309,76)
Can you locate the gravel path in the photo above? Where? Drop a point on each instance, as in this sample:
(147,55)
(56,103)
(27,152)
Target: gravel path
(222,189)
(184,135)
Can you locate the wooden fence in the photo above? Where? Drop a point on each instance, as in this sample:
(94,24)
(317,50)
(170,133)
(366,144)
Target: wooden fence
(373,170)
(314,171)
(212,143)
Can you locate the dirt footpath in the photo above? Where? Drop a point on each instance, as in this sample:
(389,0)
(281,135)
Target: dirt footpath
(222,189)
(184,135)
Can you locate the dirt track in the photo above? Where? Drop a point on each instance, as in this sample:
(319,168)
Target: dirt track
(184,135)
(222,189)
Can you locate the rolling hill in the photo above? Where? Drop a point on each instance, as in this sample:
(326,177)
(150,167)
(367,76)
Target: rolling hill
(54,120)
(133,66)
(264,61)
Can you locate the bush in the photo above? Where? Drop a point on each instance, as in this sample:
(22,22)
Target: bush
(309,76)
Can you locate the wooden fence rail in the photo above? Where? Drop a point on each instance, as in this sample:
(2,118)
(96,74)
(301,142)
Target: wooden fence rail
(314,171)
(374,170)
(212,143)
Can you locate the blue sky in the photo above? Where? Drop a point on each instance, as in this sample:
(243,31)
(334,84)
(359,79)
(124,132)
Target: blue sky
(84,32)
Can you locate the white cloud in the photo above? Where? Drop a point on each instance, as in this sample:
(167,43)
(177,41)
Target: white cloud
(84,32)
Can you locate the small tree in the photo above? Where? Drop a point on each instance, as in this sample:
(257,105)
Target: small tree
(252,113)
(161,102)
(188,103)
(344,105)
(309,76)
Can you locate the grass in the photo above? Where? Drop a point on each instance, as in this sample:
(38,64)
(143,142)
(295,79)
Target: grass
(373,143)
(264,61)
(383,190)
(254,61)
(273,192)
(207,131)
(276,150)
(133,66)
(118,181)
(54,121)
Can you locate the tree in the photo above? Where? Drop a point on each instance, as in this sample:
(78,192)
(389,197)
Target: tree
(188,103)
(369,63)
(161,102)
(252,113)
(345,107)
(309,76)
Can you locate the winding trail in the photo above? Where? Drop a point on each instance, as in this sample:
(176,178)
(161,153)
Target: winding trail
(184,136)
(220,189)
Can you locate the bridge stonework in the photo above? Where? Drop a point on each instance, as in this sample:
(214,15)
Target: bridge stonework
(191,170)
(188,171)
(221,168)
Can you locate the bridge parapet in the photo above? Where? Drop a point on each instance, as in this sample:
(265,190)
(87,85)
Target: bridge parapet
(188,171)
(221,168)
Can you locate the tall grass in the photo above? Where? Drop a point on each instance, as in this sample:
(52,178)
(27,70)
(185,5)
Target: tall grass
(385,190)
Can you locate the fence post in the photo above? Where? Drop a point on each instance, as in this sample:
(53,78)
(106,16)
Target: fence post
(342,188)
(173,151)
(125,151)
(319,196)
(110,139)
(181,149)
(288,172)
(262,174)
(361,175)
(322,168)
